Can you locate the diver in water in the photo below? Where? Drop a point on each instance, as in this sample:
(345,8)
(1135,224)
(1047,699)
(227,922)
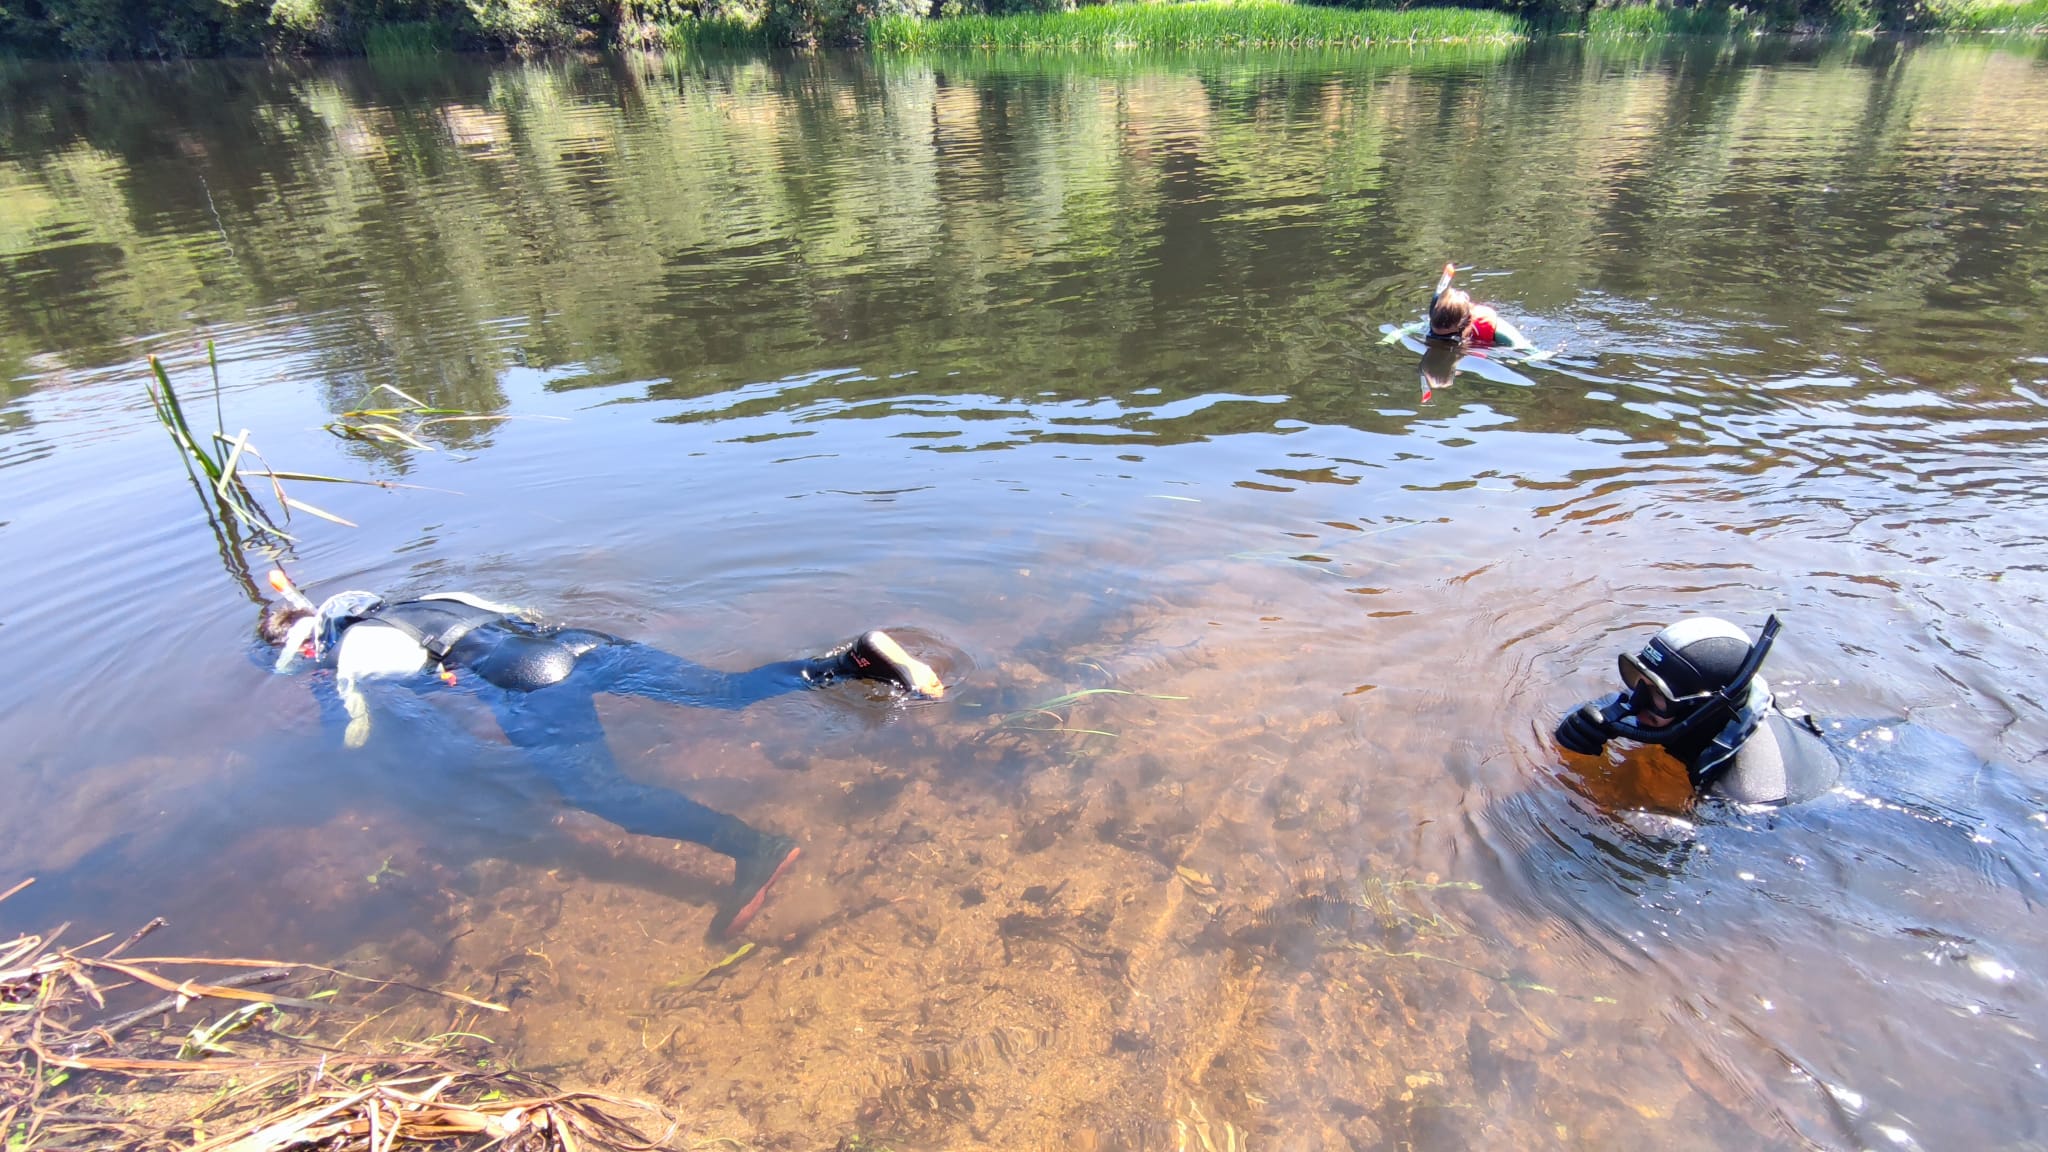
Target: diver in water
(1695,691)
(1456,320)
(541,682)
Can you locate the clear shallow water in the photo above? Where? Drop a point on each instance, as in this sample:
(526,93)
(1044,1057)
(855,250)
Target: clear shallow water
(1072,369)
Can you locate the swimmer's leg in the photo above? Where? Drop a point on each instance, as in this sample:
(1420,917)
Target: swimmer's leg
(625,668)
(558,727)
(629,669)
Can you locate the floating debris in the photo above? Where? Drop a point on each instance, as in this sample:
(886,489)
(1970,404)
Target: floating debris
(1033,719)
(1198,882)
(382,425)
(72,1077)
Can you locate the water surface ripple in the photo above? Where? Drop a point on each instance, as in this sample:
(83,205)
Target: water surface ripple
(1071,369)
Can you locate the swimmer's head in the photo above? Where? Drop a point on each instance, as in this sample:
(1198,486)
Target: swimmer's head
(277,622)
(1450,314)
(1684,667)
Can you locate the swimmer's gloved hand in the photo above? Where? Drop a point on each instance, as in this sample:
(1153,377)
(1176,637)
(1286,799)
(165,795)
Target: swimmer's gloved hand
(1585,729)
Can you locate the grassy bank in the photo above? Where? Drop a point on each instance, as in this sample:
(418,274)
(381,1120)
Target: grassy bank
(1651,21)
(2028,16)
(418,28)
(1648,20)
(1197,24)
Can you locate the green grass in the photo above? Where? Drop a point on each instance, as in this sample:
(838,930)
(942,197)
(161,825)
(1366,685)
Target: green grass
(1649,20)
(2029,16)
(406,38)
(1652,21)
(715,35)
(1196,24)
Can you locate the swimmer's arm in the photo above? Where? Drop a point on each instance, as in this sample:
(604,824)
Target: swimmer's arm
(371,651)
(333,710)
(346,709)
(1415,329)
(476,601)
(1506,335)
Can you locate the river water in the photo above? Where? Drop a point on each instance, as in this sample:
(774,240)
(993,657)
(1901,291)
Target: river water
(1072,371)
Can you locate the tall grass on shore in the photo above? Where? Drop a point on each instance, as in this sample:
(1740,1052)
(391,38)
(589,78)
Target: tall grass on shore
(715,34)
(1196,24)
(1653,21)
(2028,16)
(1647,21)
(407,38)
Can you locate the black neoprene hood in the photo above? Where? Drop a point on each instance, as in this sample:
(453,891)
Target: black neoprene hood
(1697,655)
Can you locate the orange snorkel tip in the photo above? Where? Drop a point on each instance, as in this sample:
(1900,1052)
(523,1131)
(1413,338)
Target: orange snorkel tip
(283,586)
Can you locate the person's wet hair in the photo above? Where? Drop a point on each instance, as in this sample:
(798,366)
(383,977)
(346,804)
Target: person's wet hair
(1449,314)
(277,622)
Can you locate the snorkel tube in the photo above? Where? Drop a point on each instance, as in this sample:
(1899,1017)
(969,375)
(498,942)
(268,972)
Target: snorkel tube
(312,634)
(299,640)
(283,586)
(1429,329)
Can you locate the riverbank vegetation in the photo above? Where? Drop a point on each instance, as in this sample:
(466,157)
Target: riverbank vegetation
(1197,24)
(189,28)
(103,1050)
(2025,17)
(2029,16)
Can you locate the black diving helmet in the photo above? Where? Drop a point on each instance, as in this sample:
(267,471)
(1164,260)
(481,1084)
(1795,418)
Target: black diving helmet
(1694,676)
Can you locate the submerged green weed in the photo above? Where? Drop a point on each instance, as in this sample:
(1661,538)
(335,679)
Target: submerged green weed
(1197,23)
(1046,716)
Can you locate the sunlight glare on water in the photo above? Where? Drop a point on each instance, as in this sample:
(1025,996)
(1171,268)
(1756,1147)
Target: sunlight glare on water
(1070,372)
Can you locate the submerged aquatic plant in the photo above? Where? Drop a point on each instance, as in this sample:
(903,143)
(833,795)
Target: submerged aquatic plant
(383,425)
(1036,717)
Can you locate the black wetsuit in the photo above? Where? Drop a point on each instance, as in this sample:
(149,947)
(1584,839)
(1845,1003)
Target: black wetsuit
(1781,759)
(1782,762)
(542,687)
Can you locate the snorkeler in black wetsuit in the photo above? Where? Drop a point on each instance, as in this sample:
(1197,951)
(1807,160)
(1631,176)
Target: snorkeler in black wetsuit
(541,683)
(1694,690)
